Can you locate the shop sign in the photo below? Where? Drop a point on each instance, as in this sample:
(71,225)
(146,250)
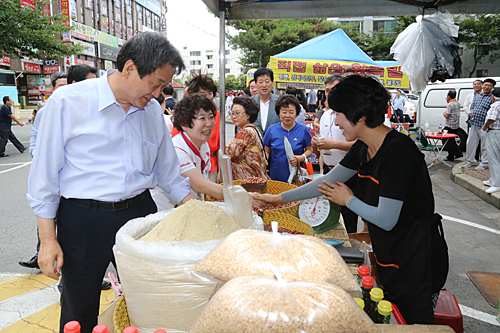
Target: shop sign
(68,61)
(5,61)
(108,52)
(163,24)
(89,4)
(66,37)
(84,62)
(88,48)
(311,74)
(50,62)
(87,33)
(29,67)
(104,9)
(32,60)
(129,22)
(65,11)
(118,30)
(104,23)
(145,29)
(108,65)
(118,17)
(51,69)
(118,3)
(72,8)
(121,41)
(29,3)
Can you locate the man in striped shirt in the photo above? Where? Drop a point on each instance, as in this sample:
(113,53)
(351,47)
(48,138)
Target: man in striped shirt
(480,106)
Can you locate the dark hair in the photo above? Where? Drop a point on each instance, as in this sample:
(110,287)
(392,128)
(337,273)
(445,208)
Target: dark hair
(185,111)
(250,105)
(79,73)
(246,90)
(57,76)
(149,51)
(250,82)
(360,96)
(168,90)
(477,80)
(202,81)
(160,99)
(285,101)
(5,99)
(291,91)
(263,71)
(452,94)
(493,82)
(496,92)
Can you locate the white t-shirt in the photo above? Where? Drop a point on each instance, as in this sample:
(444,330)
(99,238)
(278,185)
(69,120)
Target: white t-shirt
(264,111)
(329,130)
(187,160)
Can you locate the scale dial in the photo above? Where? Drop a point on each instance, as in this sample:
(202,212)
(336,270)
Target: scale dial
(314,211)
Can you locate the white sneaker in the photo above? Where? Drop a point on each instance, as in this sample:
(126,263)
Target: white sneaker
(480,168)
(487,183)
(468,165)
(493,189)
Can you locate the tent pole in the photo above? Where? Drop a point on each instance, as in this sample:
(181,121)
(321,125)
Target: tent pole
(222,74)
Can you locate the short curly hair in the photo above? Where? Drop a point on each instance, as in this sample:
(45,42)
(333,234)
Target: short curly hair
(187,109)
(250,105)
(285,101)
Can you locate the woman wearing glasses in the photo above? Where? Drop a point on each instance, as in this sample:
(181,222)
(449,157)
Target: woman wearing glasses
(246,150)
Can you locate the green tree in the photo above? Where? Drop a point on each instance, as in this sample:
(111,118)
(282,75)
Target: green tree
(234,83)
(28,32)
(480,33)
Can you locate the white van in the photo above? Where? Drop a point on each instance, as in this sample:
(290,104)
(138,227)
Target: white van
(432,103)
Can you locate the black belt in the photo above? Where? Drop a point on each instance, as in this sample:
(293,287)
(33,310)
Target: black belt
(118,205)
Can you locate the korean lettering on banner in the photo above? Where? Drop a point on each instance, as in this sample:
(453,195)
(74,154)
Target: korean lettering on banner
(28,3)
(31,67)
(118,28)
(5,61)
(68,61)
(320,68)
(50,69)
(65,9)
(284,64)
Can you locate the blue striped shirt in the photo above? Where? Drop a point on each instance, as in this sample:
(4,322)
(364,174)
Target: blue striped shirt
(480,106)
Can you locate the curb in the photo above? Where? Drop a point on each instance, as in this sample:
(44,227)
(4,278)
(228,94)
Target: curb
(474,185)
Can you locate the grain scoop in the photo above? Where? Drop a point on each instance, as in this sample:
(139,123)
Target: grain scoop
(238,201)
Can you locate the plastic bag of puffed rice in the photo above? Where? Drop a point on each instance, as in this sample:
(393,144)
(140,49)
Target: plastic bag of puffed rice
(298,257)
(259,304)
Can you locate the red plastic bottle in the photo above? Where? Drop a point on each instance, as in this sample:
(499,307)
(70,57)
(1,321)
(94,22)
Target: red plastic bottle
(101,328)
(130,329)
(367,285)
(72,327)
(363,271)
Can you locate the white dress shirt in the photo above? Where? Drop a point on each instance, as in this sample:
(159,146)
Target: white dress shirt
(329,130)
(88,147)
(264,111)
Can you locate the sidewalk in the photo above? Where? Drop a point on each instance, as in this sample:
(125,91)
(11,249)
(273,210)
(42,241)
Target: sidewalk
(472,180)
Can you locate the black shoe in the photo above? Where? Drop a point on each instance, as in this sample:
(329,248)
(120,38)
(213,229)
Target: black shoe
(22,150)
(449,159)
(32,263)
(3,155)
(105,285)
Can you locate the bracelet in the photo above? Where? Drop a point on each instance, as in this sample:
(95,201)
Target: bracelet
(305,158)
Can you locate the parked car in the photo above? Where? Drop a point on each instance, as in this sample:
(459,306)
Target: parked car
(432,103)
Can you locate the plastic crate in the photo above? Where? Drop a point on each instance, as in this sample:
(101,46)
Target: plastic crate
(397,315)
(448,312)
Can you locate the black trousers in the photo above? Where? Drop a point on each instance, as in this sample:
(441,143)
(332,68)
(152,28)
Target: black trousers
(399,116)
(6,134)
(451,145)
(86,235)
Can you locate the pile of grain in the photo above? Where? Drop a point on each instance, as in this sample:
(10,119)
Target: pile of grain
(258,304)
(196,221)
(299,258)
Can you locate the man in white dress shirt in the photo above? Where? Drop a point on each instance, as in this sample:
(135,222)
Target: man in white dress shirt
(106,145)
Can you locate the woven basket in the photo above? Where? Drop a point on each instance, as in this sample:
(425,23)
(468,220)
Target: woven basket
(286,221)
(274,187)
(121,319)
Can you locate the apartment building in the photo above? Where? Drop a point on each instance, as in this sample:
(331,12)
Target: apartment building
(206,61)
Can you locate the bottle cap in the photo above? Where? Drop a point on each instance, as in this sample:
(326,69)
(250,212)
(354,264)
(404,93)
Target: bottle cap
(360,302)
(72,327)
(363,270)
(101,328)
(160,331)
(130,329)
(376,294)
(367,282)
(384,308)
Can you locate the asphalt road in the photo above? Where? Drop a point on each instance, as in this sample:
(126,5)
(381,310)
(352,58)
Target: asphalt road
(470,248)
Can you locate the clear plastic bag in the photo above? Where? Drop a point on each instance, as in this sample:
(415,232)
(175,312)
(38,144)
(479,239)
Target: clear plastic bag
(298,257)
(259,304)
(157,279)
(426,49)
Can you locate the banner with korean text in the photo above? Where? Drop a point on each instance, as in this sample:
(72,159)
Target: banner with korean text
(311,74)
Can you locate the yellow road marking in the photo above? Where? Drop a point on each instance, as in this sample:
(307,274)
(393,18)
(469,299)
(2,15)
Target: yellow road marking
(18,285)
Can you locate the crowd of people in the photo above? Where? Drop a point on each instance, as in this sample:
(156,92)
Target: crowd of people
(132,150)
